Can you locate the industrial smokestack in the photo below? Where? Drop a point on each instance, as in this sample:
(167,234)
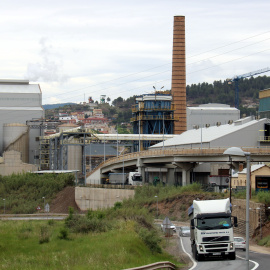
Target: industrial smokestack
(179,74)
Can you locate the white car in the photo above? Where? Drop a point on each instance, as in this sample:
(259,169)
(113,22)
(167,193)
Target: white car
(184,231)
(240,242)
(171,226)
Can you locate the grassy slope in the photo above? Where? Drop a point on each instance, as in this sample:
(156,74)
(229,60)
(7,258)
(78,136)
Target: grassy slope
(116,249)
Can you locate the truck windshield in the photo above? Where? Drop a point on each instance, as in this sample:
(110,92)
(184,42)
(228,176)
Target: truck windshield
(214,223)
(136,178)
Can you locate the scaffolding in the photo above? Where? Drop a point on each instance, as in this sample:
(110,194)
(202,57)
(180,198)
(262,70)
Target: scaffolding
(152,114)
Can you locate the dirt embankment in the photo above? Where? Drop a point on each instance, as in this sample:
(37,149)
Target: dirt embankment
(63,200)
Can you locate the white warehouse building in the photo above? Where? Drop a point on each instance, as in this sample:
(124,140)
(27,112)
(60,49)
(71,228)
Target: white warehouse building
(20,102)
(211,114)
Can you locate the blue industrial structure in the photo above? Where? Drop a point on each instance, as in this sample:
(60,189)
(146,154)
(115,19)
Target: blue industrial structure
(152,114)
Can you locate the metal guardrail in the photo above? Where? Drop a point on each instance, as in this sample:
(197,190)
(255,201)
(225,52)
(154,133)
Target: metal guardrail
(154,266)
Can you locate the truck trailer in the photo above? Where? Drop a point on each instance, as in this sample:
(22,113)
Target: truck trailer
(211,229)
(131,178)
(118,178)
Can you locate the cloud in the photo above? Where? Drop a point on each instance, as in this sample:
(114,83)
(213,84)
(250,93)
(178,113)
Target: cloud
(49,69)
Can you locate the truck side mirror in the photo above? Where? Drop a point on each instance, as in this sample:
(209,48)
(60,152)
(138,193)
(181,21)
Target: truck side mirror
(235,222)
(192,224)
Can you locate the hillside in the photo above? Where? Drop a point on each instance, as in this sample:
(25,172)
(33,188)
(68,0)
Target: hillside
(119,110)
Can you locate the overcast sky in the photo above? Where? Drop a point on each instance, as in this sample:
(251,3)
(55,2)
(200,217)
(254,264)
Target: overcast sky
(82,48)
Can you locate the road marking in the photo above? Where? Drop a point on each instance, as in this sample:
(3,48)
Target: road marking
(194,262)
(256,264)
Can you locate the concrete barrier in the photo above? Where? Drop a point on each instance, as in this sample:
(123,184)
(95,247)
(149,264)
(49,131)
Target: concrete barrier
(97,198)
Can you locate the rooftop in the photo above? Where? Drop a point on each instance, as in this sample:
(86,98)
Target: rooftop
(206,135)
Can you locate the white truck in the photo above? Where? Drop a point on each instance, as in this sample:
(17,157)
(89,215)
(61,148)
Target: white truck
(132,178)
(211,229)
(135,179)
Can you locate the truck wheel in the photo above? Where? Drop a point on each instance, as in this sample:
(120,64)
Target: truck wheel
(232,256)
(198,257)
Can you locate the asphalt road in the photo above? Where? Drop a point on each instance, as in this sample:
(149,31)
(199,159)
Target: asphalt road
(257,260)
(32,217)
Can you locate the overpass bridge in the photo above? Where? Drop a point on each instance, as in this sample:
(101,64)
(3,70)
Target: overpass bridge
(184,159)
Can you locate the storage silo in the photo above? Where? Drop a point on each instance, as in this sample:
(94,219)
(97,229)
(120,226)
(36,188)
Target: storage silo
(74,152)
(75,157)
(16,137)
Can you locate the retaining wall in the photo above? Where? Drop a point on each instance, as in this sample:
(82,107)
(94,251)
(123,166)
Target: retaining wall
(96,198)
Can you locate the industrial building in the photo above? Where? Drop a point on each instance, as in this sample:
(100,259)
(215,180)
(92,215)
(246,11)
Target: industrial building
(20,101)
(76,148)
(245,132)
(264,104)
(211,114)
(152,114)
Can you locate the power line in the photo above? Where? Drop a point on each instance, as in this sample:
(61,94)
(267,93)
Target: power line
(129,75)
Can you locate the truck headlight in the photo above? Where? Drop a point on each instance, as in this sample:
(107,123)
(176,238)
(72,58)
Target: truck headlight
(231,246)
(200,248)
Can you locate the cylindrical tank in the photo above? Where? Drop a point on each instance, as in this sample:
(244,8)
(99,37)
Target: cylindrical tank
(75,157)
(16,137)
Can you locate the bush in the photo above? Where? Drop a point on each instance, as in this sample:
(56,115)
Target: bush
(265,241)
(51,222)
(63,234)
(83,224)
(151,239)
(264,197)
(44,236)
(26,231)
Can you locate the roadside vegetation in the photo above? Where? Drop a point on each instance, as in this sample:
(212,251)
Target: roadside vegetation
(50,245)
(265,241)
(120,237)
(260,197)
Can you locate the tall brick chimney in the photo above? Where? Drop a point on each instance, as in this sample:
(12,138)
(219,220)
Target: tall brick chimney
(179,74)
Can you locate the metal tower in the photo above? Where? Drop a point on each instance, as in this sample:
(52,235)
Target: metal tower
(152,114)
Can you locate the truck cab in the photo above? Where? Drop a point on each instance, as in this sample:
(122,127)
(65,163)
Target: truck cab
(211,229)
(135,179)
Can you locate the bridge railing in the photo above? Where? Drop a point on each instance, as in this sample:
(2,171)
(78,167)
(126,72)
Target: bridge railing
(179,151)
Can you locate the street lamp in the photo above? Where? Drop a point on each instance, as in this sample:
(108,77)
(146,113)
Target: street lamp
(44,203)
(230,183)
(163,133)
(4,205)
(236,151)
(117,140)
(157,205)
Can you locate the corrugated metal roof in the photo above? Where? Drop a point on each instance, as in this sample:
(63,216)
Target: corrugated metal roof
(20,88)
(205,135)
(213,106)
